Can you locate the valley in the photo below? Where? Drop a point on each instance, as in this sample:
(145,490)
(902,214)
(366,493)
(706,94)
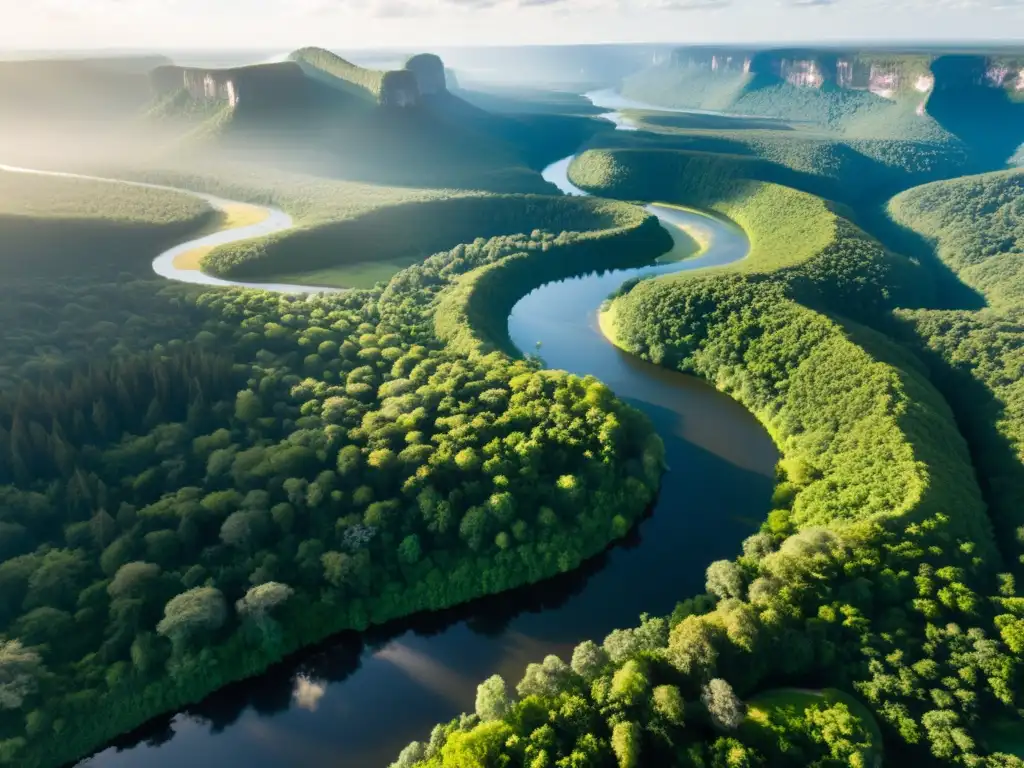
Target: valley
(345,394)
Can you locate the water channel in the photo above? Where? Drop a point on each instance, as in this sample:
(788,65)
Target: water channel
(356,701)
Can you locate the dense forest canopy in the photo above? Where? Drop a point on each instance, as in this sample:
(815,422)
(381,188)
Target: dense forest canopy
(977,227)
(242,473)
(885,571)
(196,482)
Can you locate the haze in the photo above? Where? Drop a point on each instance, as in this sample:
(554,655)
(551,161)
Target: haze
(90,24)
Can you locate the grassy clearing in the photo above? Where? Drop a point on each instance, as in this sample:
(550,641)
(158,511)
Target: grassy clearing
(361,274)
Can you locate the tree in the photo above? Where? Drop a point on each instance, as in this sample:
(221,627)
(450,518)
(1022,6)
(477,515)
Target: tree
(45,626)
(248,407)
(629,683)
(545,679)
(626,744)
(692,647)
(243,529)
(476,748)
(621,644)
(133,580)
(758,546)
(19,673)
(731,753)
(741,623)
(409,757)
(725,579)
(56,581)
(409,550)
(492,702)
(262,599)
(669,704)
(847,738)
(723,705)
(474,528)
(191,613)
(588,660)
(948,737)
(338,568)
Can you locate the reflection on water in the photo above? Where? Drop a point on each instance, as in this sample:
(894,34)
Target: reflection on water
(426,671)
(307,693)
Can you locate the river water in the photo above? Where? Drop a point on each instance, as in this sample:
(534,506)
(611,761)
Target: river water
(359,699)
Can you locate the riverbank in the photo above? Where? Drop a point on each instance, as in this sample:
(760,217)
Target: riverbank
(720,459)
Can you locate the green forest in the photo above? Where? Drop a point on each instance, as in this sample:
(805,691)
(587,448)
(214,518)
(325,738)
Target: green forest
(875,615)
(198,482)
(238,474)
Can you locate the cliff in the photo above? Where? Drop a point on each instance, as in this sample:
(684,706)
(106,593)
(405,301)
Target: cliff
(263,85)
(399,88)
(862,93)
(430,73)
(423,75)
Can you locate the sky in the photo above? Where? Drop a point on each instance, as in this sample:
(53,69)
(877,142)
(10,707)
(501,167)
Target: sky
(288,24)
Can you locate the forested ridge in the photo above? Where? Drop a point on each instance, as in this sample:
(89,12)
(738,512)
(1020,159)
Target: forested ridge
(176,516)
(197,483)
(883,574)
(47,220)
(977,227)
(796,237)
(876,573)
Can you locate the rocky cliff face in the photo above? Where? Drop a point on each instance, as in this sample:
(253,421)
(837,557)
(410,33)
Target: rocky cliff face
(886,75)
(400,88)
(264,84)
(202,85)
(429,72)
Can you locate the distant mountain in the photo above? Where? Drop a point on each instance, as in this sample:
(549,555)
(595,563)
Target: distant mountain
(933,96)
(330,68)
(314,112)
(322,112)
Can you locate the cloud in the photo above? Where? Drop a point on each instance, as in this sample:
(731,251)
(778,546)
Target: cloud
(691,5)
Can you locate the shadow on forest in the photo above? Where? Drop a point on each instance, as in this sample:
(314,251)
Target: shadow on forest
(339,657)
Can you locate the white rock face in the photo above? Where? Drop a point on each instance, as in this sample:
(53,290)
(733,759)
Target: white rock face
(803,73)
(210,86)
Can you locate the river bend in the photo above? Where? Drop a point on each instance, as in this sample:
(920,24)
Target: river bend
(356,701)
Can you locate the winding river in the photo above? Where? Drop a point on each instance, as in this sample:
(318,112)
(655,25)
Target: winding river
(356,701)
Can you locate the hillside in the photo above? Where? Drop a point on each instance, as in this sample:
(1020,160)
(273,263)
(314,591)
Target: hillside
(339,73)
(936,97)
(164,398)
(85,228)
(976,225)
(319,113)
(197,482)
